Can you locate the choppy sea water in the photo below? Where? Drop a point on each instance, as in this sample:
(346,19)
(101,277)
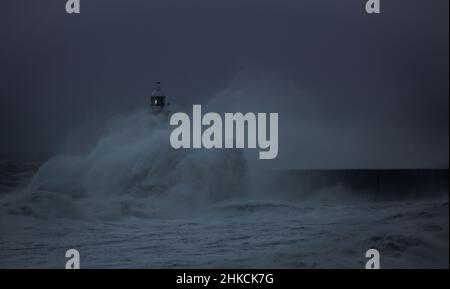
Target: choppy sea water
(407,235)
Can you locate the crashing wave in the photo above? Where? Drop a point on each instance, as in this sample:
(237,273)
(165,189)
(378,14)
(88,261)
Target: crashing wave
(132,170)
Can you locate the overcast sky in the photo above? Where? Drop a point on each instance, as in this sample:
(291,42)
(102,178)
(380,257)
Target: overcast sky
(357,90)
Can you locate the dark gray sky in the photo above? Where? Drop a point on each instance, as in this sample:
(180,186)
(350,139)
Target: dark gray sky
(373,87)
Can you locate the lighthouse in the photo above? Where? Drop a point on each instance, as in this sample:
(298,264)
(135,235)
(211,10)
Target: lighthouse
(158,99)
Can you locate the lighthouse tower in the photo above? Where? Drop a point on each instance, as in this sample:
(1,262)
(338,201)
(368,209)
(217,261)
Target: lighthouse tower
(158,99)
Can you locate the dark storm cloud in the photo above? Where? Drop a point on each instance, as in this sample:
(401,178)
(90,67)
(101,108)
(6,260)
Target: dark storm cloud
(378,83)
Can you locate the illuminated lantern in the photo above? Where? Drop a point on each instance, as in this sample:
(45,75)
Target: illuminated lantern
(158,99)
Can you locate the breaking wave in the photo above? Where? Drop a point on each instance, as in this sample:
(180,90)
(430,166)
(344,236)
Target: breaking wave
(132,170)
